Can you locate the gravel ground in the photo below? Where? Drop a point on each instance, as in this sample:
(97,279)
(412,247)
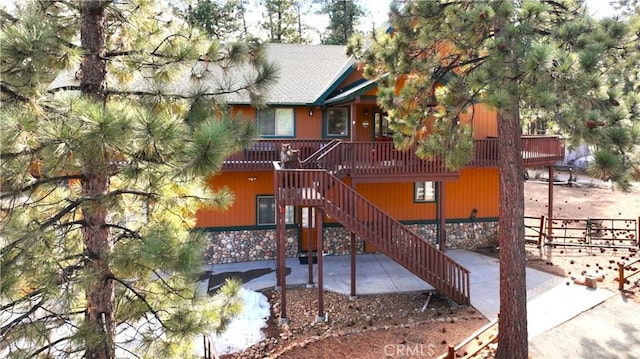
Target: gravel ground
(367,327)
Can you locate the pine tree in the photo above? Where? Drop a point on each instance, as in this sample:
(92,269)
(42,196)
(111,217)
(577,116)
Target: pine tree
(283,21)
(440,57)
(612,126)
(221,20)
(343,18)
(102,171)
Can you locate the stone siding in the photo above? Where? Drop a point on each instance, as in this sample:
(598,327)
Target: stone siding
(247,245)
(256,245)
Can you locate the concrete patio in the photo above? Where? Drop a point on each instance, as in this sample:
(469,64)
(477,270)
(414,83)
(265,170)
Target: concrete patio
(551,301)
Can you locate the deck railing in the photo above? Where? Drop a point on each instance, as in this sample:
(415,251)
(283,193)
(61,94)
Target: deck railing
(260,156)
(381,158)
(321,189)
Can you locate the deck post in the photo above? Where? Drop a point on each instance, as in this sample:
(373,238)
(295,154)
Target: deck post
(442,231)
(353,266)
(282,264)
(550,213)
(321,316)
(309,247)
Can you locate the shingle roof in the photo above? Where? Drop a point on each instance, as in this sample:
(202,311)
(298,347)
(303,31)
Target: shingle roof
(306,71)
(305,74)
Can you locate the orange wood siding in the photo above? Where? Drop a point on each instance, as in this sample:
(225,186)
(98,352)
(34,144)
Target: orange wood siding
(245,110)
(397,200)
(243,210)
(485,121)
(308,127)
(476,188)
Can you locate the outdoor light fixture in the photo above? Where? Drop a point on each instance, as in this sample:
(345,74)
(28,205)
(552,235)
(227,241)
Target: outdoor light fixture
(310,111)
(366,111)
(365,124)
(252,178)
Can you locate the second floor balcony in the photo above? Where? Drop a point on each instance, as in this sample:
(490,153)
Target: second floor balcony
(372,159)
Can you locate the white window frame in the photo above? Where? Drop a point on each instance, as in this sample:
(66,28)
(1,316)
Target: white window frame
(424,192)
(289,213)
(284,121)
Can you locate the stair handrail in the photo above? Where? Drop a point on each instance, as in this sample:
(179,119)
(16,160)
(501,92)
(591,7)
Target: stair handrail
(314,157)
(320,188)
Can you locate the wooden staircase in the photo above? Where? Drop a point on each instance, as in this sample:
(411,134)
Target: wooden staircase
(319,188)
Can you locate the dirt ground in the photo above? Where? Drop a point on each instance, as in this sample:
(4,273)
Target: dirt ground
(394,326)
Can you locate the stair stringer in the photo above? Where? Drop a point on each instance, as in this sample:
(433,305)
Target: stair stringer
(394,239)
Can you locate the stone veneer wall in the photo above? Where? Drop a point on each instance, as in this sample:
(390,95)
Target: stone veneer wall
(247,245)
(255,245)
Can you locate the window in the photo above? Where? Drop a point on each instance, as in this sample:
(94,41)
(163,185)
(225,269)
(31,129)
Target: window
(424,191)
(267,211)
(276,122)
(337,122)
(382,125)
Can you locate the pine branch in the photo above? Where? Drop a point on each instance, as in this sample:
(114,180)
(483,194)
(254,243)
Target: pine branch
(142,298)
(131,191)
(18,320)
(40,182)
(166,39)
(49,346)
(61,214)
(132,233)
(166,284)
(5,89)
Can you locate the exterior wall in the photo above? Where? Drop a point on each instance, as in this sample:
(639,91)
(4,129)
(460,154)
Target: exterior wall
(475,188)
(308,120)
(245,186)
(254,245)
(247,245)
(483,119)
(236,237)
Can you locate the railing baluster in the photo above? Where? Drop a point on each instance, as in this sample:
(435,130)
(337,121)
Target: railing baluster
(319,188)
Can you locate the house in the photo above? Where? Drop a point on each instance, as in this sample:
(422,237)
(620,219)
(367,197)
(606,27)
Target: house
(321,101)
(354,189)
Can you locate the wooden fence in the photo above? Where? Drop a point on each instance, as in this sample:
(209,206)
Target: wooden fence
(583,232)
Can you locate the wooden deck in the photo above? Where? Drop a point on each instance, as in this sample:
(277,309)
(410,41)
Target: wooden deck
(380,161)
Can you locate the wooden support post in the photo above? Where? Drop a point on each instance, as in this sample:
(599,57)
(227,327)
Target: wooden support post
(320,317)
(442,230)
(620,275)
(549,249)
(309,247)
(541,232)
(353,265)
(282,262)
(550,205)
(451,353)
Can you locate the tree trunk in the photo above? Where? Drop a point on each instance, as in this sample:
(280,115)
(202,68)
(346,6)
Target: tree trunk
(100,295)
(512,341)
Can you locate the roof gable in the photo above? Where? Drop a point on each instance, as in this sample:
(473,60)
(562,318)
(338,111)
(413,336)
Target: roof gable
(306,75)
